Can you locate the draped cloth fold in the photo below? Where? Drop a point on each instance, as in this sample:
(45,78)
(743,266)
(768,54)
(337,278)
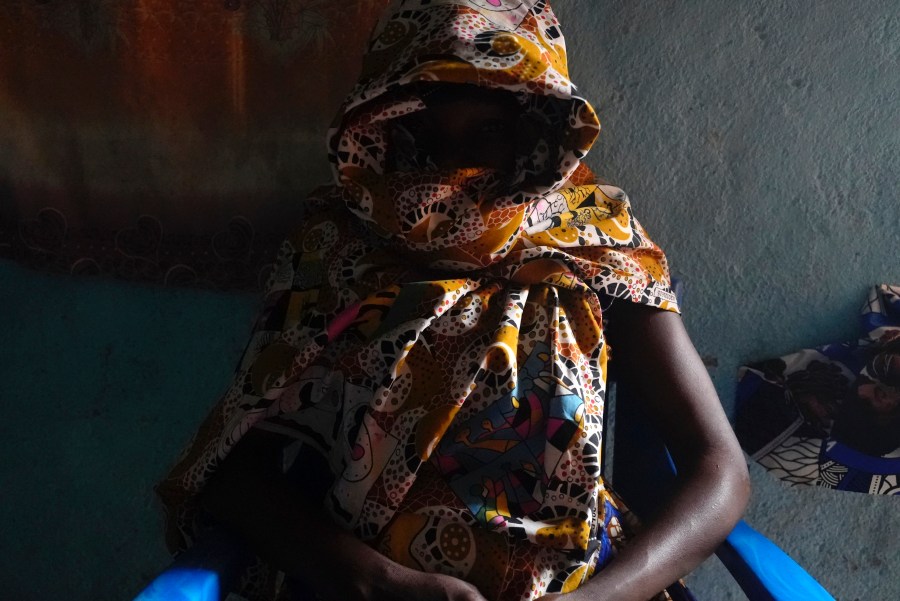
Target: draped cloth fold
(437,335)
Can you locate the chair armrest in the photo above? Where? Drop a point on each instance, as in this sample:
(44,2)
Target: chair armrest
(205,572)
(765,572)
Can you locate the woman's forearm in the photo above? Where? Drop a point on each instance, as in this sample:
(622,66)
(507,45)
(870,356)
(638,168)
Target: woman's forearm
(710,499)
(657,358)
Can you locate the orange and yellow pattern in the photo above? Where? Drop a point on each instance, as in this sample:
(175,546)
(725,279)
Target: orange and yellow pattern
(437,335)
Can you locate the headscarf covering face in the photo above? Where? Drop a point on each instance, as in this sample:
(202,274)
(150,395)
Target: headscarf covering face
(436,334)
(468,219)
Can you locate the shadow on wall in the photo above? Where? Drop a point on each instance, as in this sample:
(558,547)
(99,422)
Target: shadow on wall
(116,115)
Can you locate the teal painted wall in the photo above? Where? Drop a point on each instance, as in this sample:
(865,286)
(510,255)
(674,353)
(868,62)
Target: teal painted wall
(759,143)
(102,384)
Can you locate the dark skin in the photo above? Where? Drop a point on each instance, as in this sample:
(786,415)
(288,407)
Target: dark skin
(467,126)
(713,481)
(250,494)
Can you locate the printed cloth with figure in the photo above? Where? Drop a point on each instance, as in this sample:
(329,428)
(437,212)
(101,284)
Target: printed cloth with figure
(437,333)
(830,416)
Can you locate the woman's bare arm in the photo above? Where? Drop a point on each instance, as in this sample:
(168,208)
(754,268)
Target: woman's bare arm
(656,357)
(284,526)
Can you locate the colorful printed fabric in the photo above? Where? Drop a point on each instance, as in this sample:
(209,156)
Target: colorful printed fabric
(830,416)
(437,335)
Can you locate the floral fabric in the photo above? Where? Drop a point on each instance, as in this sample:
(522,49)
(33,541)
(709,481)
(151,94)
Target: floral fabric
(830,416)
(437,335)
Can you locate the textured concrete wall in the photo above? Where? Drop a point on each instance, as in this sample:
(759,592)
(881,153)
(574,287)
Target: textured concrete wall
(760,144)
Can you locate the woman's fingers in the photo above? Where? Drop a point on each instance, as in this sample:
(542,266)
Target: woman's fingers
(440,587)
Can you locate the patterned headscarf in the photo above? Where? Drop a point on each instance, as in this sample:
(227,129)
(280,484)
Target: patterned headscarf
(437,334)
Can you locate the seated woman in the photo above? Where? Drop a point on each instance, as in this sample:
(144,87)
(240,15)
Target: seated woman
(418,414)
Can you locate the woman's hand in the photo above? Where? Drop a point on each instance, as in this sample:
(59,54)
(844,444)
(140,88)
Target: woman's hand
(438,587)
(412,585)
(576,595)
(249,494)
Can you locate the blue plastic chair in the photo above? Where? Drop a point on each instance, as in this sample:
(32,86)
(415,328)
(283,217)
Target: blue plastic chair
(207,571)
(642,472)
